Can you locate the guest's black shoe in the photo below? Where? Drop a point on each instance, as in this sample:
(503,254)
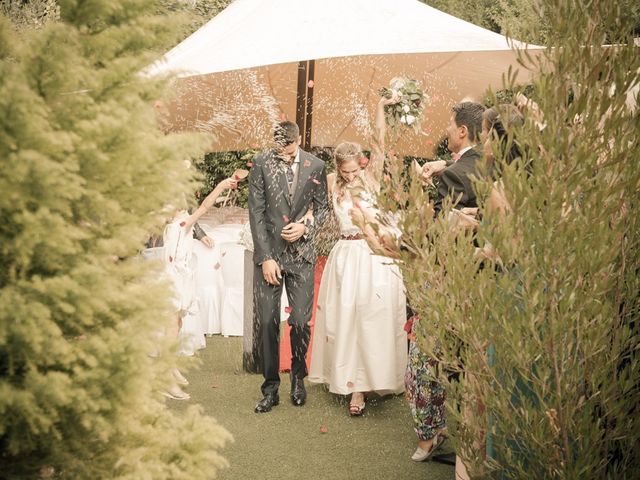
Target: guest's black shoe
(268,401)
(298,392)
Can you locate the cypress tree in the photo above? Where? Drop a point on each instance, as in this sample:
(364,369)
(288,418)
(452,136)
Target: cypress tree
(86,174)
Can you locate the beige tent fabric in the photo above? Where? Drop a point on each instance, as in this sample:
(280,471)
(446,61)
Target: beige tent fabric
(238,74)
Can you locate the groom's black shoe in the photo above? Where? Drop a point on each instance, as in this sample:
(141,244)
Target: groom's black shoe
(298,392)
(268,401)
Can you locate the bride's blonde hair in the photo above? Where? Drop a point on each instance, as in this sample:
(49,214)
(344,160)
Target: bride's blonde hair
(345,152)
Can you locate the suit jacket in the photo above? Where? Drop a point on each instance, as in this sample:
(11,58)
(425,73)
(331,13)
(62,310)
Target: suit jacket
(455,181)
(271,209)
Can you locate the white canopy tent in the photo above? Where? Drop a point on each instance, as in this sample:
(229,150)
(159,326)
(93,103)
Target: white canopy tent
(321,63)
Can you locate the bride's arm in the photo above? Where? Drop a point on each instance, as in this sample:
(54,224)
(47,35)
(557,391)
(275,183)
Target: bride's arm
(376,165)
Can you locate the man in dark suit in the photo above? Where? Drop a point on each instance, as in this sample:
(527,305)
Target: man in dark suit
(284,184)
(463,136)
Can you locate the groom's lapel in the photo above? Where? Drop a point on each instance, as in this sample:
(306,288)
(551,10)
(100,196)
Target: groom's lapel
(304,170)
(280,177)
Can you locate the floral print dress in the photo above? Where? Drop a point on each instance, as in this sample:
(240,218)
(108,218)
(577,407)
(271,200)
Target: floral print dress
(425,394)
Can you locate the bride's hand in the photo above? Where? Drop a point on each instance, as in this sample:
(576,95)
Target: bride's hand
(395,98)
(357,216)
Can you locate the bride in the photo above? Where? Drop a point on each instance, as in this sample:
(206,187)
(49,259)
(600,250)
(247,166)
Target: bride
(359,343)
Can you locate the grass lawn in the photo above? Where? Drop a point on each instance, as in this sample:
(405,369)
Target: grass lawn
(287,443)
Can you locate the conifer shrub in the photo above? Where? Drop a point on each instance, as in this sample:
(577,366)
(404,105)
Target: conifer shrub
(85,175)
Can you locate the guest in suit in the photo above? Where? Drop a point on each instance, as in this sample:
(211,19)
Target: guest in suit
(284,184)
(463,136)
(498,124)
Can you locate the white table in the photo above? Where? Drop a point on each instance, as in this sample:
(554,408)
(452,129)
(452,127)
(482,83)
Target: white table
(219,287)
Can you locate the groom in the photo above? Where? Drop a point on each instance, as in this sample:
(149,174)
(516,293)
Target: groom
(285,183)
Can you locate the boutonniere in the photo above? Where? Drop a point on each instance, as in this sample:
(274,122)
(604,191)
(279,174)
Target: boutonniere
(307,163)
(315,180)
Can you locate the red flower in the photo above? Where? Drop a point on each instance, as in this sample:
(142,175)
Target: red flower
(364,161)
(288,309)
(409,323)
(307,163)
(249,164)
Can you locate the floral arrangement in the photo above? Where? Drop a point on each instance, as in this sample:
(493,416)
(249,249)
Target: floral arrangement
(410,106)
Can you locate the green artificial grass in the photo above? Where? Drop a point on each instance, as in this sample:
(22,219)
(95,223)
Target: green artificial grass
(288,442)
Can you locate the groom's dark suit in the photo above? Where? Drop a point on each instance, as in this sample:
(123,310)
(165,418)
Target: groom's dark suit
(456,181)
(273,205)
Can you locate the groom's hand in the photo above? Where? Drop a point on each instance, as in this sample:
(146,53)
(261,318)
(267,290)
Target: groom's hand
(293,232)
(271,272)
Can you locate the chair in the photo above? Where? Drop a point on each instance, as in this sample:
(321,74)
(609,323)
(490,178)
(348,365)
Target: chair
(209,279)
(232,261)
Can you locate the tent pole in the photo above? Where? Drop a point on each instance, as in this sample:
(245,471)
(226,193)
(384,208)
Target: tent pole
(309,116)
(301,99)
(304,101)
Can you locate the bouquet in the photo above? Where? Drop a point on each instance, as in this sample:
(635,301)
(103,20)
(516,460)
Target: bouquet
(410,106)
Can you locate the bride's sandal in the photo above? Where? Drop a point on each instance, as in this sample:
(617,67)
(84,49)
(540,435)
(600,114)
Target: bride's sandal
(356,410)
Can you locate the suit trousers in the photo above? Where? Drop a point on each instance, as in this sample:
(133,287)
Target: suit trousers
(298,279)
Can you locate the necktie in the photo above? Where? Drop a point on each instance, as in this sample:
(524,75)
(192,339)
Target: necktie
(290,177)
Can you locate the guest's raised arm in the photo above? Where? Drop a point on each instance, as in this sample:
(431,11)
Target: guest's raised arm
(210,200)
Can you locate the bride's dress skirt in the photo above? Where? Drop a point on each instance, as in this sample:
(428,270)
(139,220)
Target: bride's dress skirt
(359,342)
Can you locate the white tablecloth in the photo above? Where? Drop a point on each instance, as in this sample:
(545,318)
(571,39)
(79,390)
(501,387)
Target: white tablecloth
(211,287)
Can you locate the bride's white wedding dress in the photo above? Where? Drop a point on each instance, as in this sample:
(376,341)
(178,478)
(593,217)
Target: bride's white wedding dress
(359,342)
